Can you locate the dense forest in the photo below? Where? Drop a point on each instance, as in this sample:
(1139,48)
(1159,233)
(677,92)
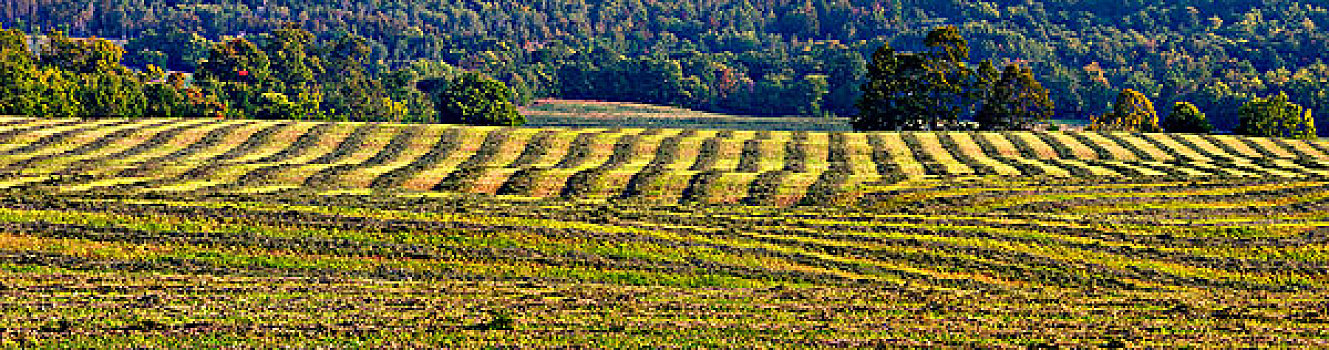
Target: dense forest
(769,57)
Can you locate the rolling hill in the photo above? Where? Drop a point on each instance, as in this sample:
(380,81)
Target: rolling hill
(174,156)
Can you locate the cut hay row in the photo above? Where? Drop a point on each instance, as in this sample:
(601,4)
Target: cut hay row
(1077,150)
(730,151)
(102,138)
(629,161)
(665,154)
(927,159)
(238,162)
(813,152)
(665,179)
(174,146)
(314,144)
(560,155)
(831,185)
(382,146)
(968,151)
(10,120)
(1141,148)
(690,148)
(1009,240)
(310,148)
(41,137)
(859,154)
(1018,155)
(1217,154)
(1270,147)
(186,158)
(765,153)
(656,165)
(593,151)
(13,131)
(382,141)
(1179,150)
(413,150)
(463,147)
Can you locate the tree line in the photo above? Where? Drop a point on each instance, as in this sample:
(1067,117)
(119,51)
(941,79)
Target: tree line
(290,74)
(285,74)
(939,89)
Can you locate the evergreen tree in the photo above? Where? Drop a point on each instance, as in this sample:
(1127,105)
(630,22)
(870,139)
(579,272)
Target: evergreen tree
(883,105)
(1187,118)
(1275,117)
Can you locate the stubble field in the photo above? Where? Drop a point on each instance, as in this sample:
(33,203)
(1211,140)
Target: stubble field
(165,233)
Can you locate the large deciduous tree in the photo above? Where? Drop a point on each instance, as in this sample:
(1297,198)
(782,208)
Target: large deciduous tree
(289,51)
(238,71)
(1133,112)
(236,60)
(86,56)
(29,89)
(951,88)
(1017,102)
(921,91)
(477,99)
(1187,118)
(91,66)
(351,91)
(1275,117)
(111,95)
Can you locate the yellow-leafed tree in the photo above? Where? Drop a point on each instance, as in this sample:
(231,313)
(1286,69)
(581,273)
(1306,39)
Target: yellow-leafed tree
(1133,112)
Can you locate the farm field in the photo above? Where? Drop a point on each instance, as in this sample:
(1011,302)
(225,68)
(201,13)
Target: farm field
(601,114)
(170,233)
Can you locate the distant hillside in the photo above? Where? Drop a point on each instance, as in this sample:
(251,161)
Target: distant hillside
(751,57)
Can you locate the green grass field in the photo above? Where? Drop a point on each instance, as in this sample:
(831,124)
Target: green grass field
(169,233)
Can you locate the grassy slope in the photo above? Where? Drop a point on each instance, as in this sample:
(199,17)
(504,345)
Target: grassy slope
(219,232)
(579,113)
